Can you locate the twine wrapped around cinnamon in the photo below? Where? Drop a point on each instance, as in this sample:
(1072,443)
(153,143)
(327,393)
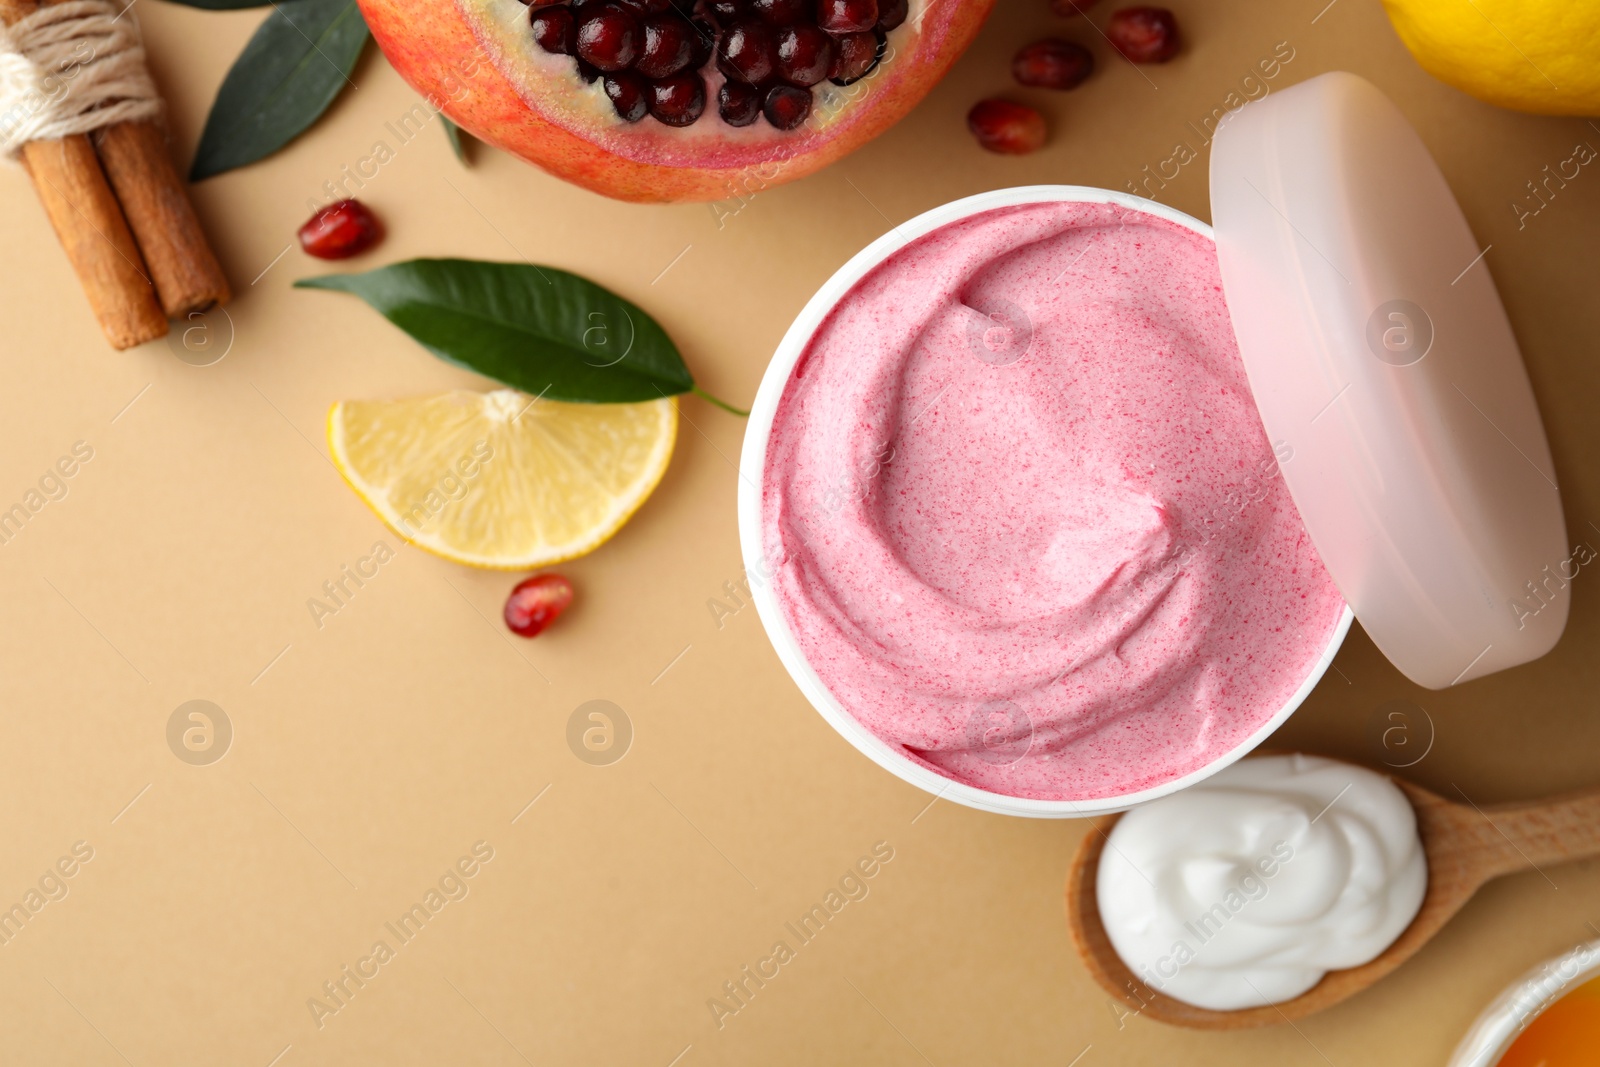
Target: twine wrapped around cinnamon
(74,70)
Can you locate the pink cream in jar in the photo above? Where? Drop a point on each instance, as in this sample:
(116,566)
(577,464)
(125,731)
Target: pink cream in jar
(1022,517)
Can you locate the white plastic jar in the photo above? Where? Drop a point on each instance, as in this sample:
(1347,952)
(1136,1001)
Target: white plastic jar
(1391,371)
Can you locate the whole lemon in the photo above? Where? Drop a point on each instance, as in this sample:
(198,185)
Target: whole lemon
(1530,55)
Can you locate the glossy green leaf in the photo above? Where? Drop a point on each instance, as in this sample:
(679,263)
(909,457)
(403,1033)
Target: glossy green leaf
(458,140)
(538,329)
(221,5)
(292,69)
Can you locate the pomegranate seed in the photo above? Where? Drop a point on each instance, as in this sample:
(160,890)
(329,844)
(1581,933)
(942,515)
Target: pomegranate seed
(847,16)
(342,229)
(704,41)
(738,104)
(650,55)
(787,106)
(781,12)
(857,54)
(668,46)
(609,39)
(1007,128)
(536,602)
(1053,64)
(748,52)
(1069,8)
(678,100)
(1144,34)
(555,30)
(805,55)
(627,95)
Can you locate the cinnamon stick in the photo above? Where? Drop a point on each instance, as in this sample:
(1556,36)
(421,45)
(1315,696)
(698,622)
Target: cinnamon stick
(89,222)
(155,200)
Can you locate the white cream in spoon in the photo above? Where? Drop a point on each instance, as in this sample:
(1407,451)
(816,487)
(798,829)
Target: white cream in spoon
(1247,888)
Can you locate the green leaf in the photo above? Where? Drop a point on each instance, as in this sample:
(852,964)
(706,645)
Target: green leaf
(458,140)
(541,330)
(221,5)
(292,69)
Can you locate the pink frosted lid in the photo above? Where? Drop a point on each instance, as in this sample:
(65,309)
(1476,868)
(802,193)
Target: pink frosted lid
(1380,356)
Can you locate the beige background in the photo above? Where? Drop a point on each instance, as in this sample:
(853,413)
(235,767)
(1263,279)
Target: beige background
(371,753)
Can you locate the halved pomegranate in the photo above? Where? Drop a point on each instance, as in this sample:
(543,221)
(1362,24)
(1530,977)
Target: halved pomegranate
(663,100)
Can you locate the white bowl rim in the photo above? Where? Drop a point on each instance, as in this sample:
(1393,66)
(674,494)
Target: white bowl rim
(752,464)
(1514,1010)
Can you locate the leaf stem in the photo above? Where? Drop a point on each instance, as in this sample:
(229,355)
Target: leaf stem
(723,404)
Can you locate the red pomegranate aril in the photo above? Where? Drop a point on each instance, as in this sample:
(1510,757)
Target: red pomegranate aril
(609,39)
(649,54)
(748,51)
(738,104)
(668,46)
(1052,64)
(1144,34)
(782,12)
(555,30)
(805,55)
(535,603)
(1004,127)
(847,16)
(1068,8)
(856,55)
(678,100)
(343,229)
(627,95)
(704,41)
(787,106)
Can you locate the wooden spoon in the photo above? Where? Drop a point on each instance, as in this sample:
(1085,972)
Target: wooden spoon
(1465,846)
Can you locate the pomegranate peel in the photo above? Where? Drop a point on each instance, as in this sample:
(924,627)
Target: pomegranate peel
(479,62)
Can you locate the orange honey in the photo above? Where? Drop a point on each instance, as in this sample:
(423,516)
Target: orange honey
(1567,1034)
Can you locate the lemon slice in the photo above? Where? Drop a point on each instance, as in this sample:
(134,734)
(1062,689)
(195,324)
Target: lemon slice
(502,479)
